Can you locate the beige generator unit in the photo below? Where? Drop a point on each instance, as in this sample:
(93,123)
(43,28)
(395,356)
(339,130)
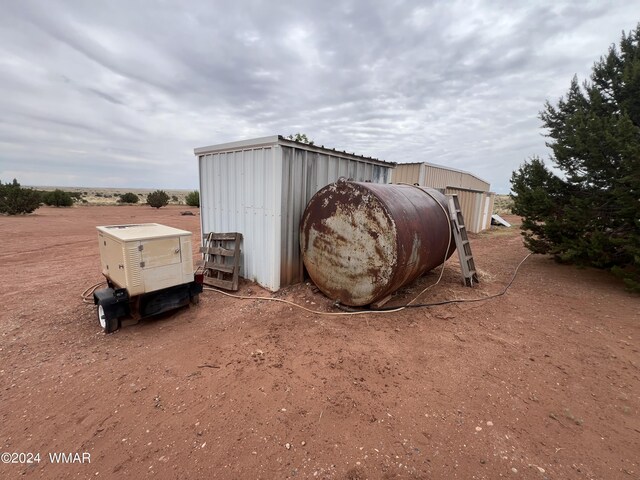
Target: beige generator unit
(149,270)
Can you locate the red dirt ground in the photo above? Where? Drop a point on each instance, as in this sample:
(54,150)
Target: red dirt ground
(543,382)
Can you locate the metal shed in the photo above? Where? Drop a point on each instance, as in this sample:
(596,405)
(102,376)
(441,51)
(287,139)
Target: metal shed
(473,192)
(260,188)
(477,207)
(438,176)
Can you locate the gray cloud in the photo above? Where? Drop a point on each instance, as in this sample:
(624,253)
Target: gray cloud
(119,93)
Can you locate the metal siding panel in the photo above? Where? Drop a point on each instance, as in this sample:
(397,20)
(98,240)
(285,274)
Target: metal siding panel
(353,169)
(276,196)
(491,206)
(414,174)
(343,167)
(436,177)
(381,174)
(421,173)
(425,174)
(472,203)
(477,199)
(236,190)
(248,216)
(471,200)
(479,204)
(377,175)
(470,181)
(430,179)
(263,224)
(334,168)
(469,204)
(437,180)
(440,178)
(293,166)
(201,180)
(300,170)
(445,177)
(407,173)
(467,181)
(322,172)
(359,171)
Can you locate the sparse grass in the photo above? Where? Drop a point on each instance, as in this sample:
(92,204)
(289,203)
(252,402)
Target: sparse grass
(496,231)
(485,276)
(503,205)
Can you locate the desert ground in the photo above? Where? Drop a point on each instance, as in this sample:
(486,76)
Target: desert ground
(540,383)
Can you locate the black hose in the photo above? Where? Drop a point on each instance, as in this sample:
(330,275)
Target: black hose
(447,302)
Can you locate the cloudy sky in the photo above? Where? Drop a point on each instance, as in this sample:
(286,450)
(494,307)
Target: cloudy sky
(119,93)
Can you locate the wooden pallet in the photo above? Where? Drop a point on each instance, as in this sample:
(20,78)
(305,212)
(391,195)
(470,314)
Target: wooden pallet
(221,259)
(459,230)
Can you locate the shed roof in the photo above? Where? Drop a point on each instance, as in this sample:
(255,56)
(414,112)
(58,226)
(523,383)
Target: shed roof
(280,140)
(447,168)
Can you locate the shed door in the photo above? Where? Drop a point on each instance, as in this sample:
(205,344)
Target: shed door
(161,251)
(485,214)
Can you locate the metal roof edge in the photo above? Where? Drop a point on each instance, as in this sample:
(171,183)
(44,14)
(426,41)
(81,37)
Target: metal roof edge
(333,151)
(238,145)
(456,170)
(469,189)
(280,140)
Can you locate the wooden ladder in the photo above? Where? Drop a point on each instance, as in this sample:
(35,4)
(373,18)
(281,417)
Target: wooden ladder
(221,261)
(459,231)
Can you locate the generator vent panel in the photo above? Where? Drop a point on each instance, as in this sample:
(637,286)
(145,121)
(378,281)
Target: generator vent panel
(134,269)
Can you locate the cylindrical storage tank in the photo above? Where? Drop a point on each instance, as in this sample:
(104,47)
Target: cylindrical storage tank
(362,241)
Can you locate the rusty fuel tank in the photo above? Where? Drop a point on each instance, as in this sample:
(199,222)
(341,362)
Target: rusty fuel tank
(362,241)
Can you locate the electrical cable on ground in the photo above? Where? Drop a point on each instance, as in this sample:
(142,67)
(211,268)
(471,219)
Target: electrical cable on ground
(88,293)
(382,310)
(470,300)
(316,312)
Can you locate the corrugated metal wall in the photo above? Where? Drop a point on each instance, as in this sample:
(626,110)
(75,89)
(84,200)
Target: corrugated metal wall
(441,177)
(477,207)
(261,191)
(237,194)
(475,200)
(435,176)
(407,173)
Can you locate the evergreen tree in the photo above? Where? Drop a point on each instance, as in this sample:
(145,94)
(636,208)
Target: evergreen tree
(158,199)
(15,200)
(591,216)
(57,198)
(193,199)
(301,137)
(128,197)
